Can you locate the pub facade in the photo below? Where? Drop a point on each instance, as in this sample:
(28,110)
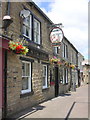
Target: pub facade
(31,75)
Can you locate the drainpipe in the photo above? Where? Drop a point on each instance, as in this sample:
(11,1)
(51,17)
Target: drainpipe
(8,8)
(71,79)
(5,70)
(5,84)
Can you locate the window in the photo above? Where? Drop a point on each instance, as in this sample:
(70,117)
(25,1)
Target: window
(65,76)
(72,57)
(45,76)
(26,77)
(36,31)
(65,50)
(55,50)
(75,58)
(31,28)
(27,27)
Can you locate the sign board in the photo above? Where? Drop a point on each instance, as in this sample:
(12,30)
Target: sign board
(56,36)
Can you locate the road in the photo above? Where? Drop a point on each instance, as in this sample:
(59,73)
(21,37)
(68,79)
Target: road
(69,105)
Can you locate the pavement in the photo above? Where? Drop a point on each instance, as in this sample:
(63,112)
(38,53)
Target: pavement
(69,105)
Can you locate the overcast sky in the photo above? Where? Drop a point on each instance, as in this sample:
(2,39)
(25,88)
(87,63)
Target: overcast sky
(73,14)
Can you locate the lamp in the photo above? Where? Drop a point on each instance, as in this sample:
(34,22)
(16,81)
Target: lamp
(7,20)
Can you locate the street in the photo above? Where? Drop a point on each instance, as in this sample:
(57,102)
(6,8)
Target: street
(69,105)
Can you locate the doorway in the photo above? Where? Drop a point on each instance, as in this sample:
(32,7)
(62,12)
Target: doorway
(56,82)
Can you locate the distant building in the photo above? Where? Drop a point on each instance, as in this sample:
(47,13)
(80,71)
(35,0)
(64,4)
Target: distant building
(80,67)
(86,71)
(70,55)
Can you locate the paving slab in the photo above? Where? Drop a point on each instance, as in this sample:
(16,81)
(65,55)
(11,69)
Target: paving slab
(69,105)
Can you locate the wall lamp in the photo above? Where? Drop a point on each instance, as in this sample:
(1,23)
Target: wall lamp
(7,20)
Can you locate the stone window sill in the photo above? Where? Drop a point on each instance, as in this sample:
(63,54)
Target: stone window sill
(64,83)
(45,89)
(26,94)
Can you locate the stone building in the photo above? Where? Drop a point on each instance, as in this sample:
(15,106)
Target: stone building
(26,80)
(28,76)
(65,75)
(86,71)
(70,55)
(80,67)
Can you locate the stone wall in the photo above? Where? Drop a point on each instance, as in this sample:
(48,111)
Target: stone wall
(15,102)
(14,82)
(86,74)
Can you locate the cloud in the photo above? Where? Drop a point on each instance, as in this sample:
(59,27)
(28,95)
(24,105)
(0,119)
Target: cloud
(73,14)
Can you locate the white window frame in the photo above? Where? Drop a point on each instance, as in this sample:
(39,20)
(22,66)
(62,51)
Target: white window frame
(46,77)
(37,31)
(74,58)
(65,50)
(56,50)
(25,24)
(71,56)
(65,76)
(29,80)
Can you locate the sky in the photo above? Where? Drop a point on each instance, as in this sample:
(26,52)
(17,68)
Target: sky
(73,14)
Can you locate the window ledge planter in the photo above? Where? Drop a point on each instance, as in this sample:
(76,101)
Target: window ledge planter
(54,60)
(18,48)
(72,66)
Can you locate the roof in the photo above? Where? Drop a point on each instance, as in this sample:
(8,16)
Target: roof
(32,3)
(79,54)
(71,44)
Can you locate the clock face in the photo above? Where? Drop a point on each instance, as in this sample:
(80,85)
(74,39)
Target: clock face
(56,35)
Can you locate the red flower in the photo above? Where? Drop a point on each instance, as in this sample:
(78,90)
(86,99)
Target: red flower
(19,47)
(59,62)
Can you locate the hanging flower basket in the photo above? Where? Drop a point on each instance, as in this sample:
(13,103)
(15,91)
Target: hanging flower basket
(54,60)
(66,64)
(18,48)
(72,66)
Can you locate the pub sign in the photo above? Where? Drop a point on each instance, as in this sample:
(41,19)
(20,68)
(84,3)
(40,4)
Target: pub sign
(56,36)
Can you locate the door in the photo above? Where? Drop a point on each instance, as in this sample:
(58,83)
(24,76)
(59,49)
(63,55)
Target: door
(56,82)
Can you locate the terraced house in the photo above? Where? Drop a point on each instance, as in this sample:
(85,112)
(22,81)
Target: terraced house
(67,71)
(29,74)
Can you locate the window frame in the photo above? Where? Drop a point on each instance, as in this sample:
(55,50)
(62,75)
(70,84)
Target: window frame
(65,50)
(71,56)
(46,78)
(29,27)
(29,80)
(30,38)
(56,50)
(35,31)
(65,76)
